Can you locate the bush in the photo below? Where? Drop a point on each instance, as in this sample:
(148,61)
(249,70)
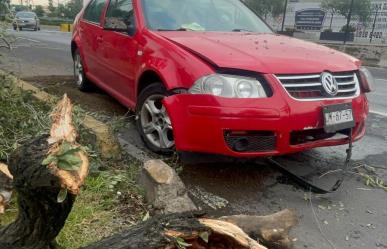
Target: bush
(54,21)
(327,30)
(351,29)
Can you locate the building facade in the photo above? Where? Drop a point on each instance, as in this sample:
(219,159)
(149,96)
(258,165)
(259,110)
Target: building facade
(308,16)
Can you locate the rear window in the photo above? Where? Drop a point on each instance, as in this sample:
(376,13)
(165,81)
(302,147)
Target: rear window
(94,10)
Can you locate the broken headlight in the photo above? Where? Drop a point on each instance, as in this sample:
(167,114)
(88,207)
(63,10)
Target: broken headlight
(229,86)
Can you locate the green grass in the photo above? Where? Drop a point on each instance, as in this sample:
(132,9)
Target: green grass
(110,199)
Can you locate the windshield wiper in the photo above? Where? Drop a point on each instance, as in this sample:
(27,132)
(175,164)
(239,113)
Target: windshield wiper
(179,29)
(241,30)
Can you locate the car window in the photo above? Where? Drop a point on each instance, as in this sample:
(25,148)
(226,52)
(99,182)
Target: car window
(202,15)
(120,15)
(94,10)
(25,15)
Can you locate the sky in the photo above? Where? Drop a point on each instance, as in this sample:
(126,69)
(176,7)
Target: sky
(37,2)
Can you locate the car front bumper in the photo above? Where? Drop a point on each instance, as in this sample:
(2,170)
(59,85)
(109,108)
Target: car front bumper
(25,25)
(203,123)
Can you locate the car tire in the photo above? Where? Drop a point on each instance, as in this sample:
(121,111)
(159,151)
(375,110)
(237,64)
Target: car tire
(152,120)
(80,79)
(36,28)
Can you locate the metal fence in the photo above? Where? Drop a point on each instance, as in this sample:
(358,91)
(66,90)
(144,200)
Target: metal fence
(308,20)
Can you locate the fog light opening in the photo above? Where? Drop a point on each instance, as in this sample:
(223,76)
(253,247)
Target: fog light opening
(241,145)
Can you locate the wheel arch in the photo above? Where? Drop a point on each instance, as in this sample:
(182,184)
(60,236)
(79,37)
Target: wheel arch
(146,78)
(74,46)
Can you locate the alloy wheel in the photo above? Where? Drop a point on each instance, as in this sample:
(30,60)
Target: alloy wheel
(156,123)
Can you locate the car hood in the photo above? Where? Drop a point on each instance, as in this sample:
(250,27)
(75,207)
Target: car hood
(265,53)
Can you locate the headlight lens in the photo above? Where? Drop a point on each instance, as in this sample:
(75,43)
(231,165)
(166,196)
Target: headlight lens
(229,86)
(367,80)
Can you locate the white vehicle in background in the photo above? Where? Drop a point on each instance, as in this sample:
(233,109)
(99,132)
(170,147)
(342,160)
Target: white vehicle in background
(26,19)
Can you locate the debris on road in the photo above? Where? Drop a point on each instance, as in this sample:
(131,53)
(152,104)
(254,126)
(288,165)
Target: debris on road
(213,201)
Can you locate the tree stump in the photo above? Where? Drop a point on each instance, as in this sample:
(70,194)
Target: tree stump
(40,217)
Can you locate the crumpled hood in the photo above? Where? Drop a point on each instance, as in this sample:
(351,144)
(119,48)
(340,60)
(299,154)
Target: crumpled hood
(265,53)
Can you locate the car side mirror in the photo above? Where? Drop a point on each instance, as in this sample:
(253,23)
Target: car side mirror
(119,25)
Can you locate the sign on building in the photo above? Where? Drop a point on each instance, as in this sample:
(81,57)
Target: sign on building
(309,19)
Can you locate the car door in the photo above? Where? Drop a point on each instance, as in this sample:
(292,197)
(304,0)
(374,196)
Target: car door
(119,53)
(91,38)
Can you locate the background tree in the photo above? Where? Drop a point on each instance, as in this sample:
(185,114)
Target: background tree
(39,10)
(330,7)
(51,8)
(4,7)
(72,8)
(361,8)
(265,7)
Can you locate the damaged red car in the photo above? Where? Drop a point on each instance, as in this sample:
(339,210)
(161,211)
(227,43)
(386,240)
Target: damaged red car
(210,76)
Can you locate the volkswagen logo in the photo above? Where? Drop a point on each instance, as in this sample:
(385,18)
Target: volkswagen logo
(329,84)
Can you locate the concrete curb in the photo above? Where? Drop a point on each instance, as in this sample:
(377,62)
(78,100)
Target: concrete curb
(106,141)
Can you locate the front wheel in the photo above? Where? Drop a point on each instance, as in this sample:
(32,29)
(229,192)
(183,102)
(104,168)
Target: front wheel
(153,122)
(79,75)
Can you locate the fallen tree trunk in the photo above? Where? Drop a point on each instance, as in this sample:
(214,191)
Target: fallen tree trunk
(41,214)
(228,232)
(42,169)
(40,217)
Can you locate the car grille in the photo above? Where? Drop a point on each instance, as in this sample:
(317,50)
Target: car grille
(309,86)
(263,141)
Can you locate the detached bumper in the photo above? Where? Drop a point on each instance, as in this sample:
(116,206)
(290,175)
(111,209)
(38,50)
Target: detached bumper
(272,126)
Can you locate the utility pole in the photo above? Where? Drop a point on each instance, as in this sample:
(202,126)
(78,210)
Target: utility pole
(284,15)
(373,26)
(348,22)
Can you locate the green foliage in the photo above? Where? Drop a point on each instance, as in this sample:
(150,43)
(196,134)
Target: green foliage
(265,7)
(67,157)
(350,29)
(68,10)
(21,117)
(39,10)
(181,244)
(361,8)
(204,236)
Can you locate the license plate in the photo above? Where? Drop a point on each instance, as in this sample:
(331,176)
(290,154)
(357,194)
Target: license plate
(338,117)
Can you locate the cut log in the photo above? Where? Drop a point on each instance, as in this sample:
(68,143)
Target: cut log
(176,231)
(272,230)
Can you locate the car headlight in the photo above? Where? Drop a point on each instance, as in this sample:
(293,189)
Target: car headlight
(229,86)
(367,80)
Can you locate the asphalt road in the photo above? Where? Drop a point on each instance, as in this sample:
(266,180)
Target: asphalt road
(45,52)
(354,217)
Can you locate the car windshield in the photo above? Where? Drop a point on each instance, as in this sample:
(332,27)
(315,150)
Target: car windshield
(202,15)
(25,15)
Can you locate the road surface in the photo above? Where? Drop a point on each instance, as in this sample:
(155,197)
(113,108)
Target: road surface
(354,217)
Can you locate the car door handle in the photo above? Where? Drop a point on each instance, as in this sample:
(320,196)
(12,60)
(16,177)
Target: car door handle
(99,39)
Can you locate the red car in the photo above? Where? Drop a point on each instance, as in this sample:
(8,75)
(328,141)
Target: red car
(210,76)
